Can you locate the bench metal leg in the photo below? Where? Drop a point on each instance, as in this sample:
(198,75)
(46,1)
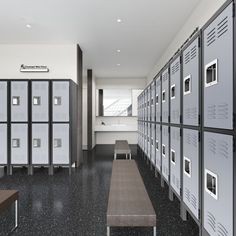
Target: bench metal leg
(154,231)
(126,156)
(16,215)
(108,231)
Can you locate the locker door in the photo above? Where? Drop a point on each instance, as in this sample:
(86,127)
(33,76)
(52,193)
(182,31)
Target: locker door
(218,184)
(158,147)
(148,101)
(153,151)
(61,101)
(3,144)
(191,170)
(165,96)
(19,144)
(146,138)
(3,99)
(218,71)
(158,99)
(175,91)
(148,141)
(40,143)
(175,161)
(61,154)
(40,101)
(191,84)
(152,102)
(165,152)
(19,101)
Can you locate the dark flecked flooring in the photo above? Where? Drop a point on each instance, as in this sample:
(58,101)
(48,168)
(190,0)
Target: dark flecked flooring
(77,204)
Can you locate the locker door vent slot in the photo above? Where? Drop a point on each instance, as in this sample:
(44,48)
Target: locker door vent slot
(211,37)
(36,143)
(193,52)
(211,183)
(211,73)
(187,85)
(194,201)
(222,27)
(211,221)
(222,230)
(57,101)
(187,194)
(16,143)
(187,167)
(187,58)
(36,101)
(163,150)
(173,161)
(163,95)
(173,91)
(57,143)
(15,101)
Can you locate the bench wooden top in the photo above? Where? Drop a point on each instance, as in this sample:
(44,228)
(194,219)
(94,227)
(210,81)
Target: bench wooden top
(129,203)
(122,147)
(7,197)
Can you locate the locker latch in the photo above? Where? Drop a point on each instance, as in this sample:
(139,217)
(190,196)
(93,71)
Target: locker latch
(16,101)
(16,143)
(36,101)
(57,143)
(57,101)
(37,143)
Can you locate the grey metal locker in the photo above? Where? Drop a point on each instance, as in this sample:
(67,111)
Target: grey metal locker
(158,99)
(19,144)
(153,151)
(19,101)
(218,184)
(175,91)
(3,144)
(218,71)
(40,144)
(61,100)
(148,104)
(191,170)
(145,104)
(145,138)
(3,99)
(165,96)
(153,102)
(61,144)
(158,147)
(165,152)
(175,159)
(191,86)
(148,140)
(40,102)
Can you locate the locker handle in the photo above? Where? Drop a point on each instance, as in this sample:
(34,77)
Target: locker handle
(57,143)
(163,95)
(211,73)
(173,91)
(157,99)
(36,101)
(173,161)
(187,167)
(15,101)
(211,183)
(157,145)
(187,85)
(57,101)
(163,150)
(36,143)
(16,143)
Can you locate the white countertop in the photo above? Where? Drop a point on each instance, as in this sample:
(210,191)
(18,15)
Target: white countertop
(116,128)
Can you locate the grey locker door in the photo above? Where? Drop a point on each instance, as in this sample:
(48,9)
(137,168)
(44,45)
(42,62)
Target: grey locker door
(145,138)
(165,96)
(175,91)
(61,144)
(218,184)
(191,84)
(19,101)
(158,147)
(191,170)
(165,152)
(61,101)
(3,144)
(19,144)
(148,141)
(153,102)
(149,105)
(153,151)
(40,101)
(175,161)
(218,71)
(40,143)
(3,99)
(158,99)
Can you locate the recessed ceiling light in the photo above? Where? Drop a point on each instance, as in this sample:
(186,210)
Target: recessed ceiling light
(118,64)
(119,20)
(28,26)
(118,50)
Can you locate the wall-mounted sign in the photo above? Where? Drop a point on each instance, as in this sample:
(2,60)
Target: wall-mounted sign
(25,68)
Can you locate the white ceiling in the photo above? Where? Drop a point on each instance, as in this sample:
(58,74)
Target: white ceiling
(147,28)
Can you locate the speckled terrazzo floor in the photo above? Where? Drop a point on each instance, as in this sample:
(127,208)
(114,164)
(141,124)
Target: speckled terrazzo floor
(76,204)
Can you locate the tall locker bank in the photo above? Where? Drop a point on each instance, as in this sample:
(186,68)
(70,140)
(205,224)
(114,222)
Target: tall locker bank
(158,99)
(149,140)
(153,92)
(165,96)
(191,82)
(165,152)
(175,91)
(158,147)
(153,151)
(3,123)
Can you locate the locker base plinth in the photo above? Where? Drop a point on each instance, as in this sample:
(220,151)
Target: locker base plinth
(51,169)
(171,194)
(156,173)
(183,212)
(204,232)
(162,182)
(38,166)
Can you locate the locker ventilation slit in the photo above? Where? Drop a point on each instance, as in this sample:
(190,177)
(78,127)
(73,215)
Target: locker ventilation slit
(224,149)
(194,201)
(222,27)
(187,194)
(187,58)
(222,230)
(193,52)
(211,37)
(211,221)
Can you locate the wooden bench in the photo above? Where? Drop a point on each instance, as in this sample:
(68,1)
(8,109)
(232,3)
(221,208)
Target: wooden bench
(7,198)
(122,147)
(129,204)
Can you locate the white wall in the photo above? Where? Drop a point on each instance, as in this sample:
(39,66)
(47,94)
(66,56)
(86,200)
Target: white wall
(202,13)
(60,59)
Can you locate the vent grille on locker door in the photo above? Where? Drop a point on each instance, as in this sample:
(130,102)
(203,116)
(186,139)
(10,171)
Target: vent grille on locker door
(190,55)
(175,68)
(222,230)
(194,201)
(187,194)
(211,220)
(222,27)
(211,37)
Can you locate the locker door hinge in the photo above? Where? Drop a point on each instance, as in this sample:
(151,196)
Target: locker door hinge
(168,119)
(199,137)
(233,120)
(199,214)
(180,191)
(180,59)
(181,119)
(233,144)
(180,132)
(199,119)
(199,42)
(233,9)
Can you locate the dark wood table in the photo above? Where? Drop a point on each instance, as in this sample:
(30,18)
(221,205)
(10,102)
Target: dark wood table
(129,204)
